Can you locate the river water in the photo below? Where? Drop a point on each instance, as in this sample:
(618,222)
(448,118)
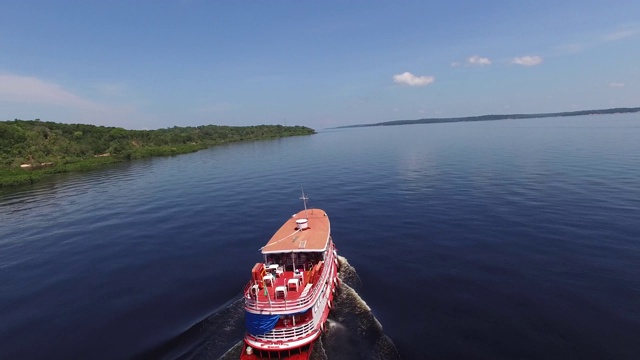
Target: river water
(479,240)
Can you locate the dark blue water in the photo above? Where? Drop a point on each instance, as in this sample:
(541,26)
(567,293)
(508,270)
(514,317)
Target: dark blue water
(487,240)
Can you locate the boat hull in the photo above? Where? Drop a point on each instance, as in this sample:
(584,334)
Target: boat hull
(298,316)
(302,354)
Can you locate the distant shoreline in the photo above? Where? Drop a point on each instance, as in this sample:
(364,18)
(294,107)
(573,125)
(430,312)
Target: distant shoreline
(497,117)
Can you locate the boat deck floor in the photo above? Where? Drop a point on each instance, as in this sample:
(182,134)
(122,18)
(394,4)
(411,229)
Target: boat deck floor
(282,281)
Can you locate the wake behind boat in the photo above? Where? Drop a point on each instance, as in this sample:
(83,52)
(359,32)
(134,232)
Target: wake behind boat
(290,294)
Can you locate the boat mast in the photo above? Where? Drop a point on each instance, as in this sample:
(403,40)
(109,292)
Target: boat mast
(304,199)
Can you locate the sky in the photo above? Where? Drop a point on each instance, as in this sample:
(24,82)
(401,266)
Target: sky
(163,63)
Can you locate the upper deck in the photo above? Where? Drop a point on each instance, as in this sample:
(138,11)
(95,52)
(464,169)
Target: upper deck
(275,289)
(289,238)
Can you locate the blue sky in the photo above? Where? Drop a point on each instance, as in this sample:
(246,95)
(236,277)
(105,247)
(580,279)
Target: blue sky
(154,64)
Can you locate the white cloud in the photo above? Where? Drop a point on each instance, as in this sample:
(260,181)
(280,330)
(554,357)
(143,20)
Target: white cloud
(602,39)
(616,84)
(31,90)
(619,35)
(527,60)
(408,78)
(30,97)
(476,60)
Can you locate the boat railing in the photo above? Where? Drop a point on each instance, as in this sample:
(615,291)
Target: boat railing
(287,333)
(281,304)
(257,303)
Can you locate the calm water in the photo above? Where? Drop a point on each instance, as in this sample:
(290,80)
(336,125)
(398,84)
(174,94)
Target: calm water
(488,240)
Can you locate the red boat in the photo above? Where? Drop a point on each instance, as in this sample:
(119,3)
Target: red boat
(290,294)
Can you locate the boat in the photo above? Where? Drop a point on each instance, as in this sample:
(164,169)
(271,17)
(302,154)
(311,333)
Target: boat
(291,292)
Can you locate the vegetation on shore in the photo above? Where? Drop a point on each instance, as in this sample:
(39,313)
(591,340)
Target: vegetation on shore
(32,149)
(500,117)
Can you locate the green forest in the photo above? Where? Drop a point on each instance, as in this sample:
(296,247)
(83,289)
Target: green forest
(31,149)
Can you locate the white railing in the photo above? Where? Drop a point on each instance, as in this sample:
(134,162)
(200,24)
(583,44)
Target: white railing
(287,333)
(290,305)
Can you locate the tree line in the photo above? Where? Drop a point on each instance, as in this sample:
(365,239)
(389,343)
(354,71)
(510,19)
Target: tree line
(34,143)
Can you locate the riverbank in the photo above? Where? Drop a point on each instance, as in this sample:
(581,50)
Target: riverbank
(21,176)
(16,176)
(31,150)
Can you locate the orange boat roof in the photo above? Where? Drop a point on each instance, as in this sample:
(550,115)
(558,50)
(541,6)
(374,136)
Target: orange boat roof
(290,239)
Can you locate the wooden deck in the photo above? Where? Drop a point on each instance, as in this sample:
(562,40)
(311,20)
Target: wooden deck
(289,239)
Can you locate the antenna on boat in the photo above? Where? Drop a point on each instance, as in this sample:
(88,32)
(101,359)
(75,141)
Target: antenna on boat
(304,199)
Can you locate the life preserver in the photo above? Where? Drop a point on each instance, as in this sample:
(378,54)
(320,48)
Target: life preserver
(329,303)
